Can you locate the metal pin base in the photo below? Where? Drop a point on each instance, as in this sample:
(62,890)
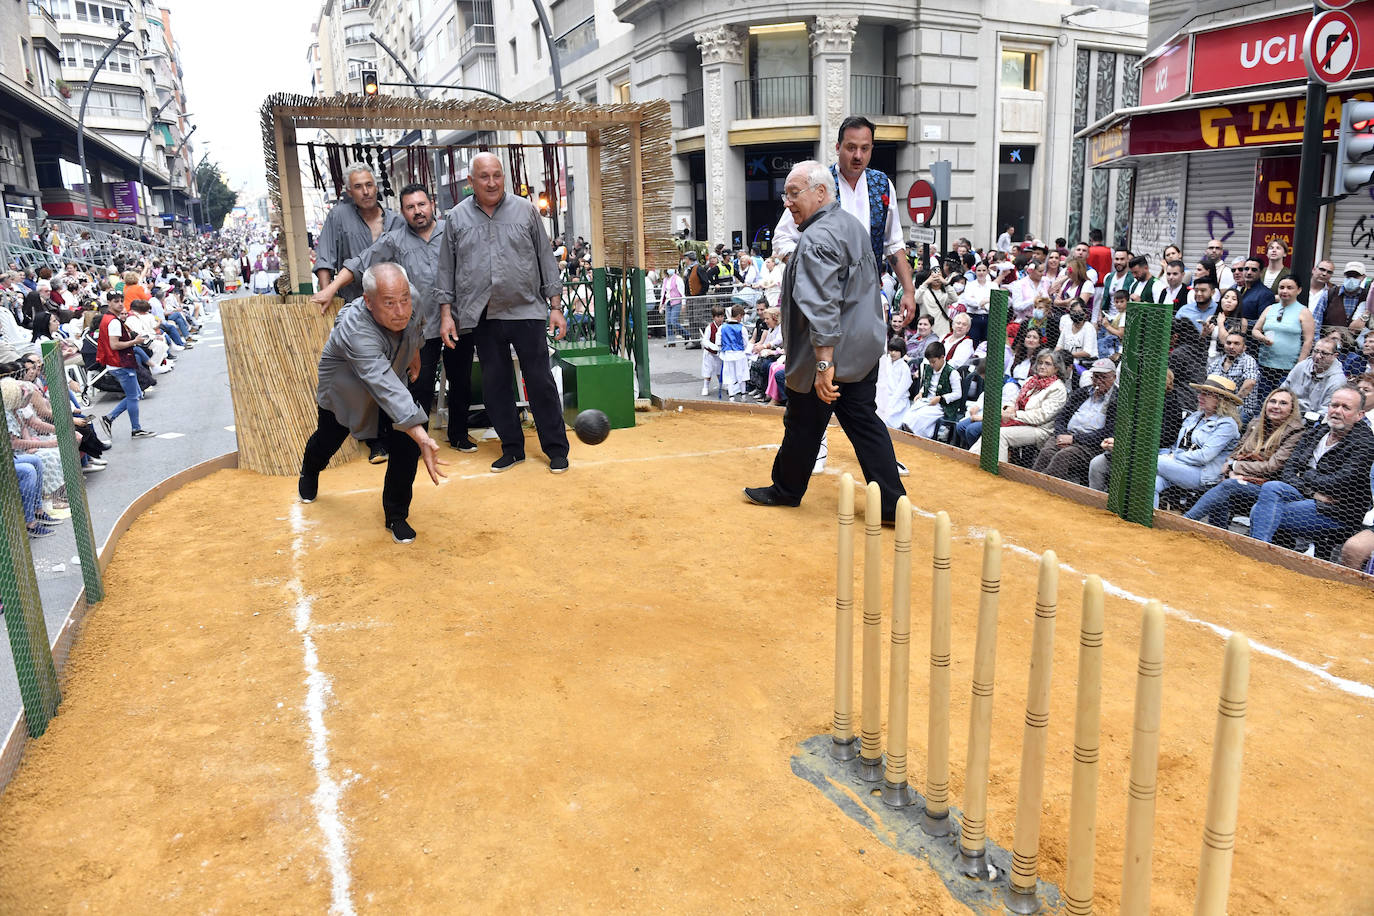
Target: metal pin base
(897,795)
(936,826)
(844,750)
(976,866)
(1021,902)
(871,770)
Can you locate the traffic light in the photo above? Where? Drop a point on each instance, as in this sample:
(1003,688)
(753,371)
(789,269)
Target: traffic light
(1354,146)
(543,201)
(369,82)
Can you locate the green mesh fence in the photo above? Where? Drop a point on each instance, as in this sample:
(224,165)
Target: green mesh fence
(56,376)
(994,369)
(1140,410)
(28,633)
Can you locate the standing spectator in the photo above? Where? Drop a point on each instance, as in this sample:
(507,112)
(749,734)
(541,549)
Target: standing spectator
(1004,240)
(1313,380)
(1175,292)
(672,298)
(1144,287)
(1200,307)
(933,301)
(1120,276)
(1087,418)
(1275,270)
(1099,255)
(1322,284)
(1240,367)
(1027,289)
(1255,297)
(1217,252)
(1336,306)
(115,348)
(1268,442)
(712,367)
(1205,439)
(1284,332)
(975,299)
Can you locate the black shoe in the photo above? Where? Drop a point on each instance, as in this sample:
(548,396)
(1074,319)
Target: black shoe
(558,465)
(308,487)
(376,453)
(106,427)
(465,445)
(505,463)
(401,532)
(766,496)
(142,434)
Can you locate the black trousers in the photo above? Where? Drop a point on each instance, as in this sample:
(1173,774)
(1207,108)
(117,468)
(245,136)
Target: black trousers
(495,337)
(804,423)
(422,389)
(404,457)
(458,371)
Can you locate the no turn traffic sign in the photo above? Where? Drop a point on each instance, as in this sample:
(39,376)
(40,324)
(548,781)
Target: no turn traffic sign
(1331,47)
(920,201)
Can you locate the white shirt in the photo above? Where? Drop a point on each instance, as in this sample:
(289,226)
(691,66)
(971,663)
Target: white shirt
(853,201)
(1024,292)
(1085,338)
(976,296)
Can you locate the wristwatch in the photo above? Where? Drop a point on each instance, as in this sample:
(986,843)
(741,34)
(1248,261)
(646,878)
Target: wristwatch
(822,365)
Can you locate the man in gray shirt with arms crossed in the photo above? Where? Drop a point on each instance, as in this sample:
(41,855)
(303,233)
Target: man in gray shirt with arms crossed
(496,269)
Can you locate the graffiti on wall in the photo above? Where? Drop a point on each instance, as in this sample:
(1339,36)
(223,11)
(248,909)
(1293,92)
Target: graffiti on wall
(1156,223)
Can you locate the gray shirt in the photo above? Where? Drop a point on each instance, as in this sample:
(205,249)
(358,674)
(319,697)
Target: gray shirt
(363,368)
(420,259)
(1314,391)
(345,235)
(830,298)
(502,263)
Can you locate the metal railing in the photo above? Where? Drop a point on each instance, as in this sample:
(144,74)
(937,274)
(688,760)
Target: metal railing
(481,35)
(693,108)
(873,95)
(773,97)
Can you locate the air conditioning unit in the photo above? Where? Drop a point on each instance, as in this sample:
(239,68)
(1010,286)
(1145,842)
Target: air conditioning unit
(6,153)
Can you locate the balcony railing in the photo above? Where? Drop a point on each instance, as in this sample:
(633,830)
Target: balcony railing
(693,110)
(773,97)
(482,35)
(356,5)
(577,41)
(873,95)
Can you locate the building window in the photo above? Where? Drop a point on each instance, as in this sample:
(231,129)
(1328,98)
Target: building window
(91,12)
(451,30)
(1019,69)
(537,35)
(356,35)
(115,104)
(514,58)
(620,92)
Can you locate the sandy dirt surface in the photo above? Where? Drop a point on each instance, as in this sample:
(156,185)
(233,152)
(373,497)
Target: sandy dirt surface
(582,693)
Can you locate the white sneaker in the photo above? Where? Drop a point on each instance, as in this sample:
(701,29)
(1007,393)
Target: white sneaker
(902,471)
(824,452)
(161,370)
(705,390)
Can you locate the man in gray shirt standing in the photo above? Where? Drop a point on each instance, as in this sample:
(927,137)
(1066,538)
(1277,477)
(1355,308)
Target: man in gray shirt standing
(374,345)
(351,227)
(833,334)
(496,270)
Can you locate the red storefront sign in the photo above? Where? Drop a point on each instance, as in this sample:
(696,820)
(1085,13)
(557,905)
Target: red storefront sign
(77,210)
(1166,77)
(1242,125)
(1266,51)
(1276,208)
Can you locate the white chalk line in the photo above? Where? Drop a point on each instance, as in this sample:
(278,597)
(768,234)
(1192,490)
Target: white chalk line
(325,798)
(1345,685)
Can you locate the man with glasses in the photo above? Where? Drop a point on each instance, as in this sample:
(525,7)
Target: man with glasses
(1321,284)
(1225,278)
(1336,307)
(1313,380)
(1255,297)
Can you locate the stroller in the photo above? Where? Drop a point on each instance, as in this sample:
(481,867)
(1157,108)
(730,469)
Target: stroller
(94,377)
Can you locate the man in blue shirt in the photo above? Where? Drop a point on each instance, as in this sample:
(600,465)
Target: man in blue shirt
(1200,307)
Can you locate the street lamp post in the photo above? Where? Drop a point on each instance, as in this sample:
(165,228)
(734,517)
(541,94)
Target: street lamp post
(125,28)
(175,156)
(142,197)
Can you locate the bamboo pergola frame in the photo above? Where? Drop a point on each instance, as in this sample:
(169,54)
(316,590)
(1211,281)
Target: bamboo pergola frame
(629,156)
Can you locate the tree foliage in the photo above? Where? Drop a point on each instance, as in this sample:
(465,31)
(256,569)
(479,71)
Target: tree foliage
(215,193)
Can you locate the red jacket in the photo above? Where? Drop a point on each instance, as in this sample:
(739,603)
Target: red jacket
(107,355)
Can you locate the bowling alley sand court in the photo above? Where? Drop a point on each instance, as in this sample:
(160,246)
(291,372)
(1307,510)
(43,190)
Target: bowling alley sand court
(584,692)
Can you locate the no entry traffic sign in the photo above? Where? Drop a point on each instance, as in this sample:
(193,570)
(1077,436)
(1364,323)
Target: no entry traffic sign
(1331,47)
(920,201)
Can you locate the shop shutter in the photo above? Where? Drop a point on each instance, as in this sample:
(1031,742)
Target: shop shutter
(1157,208)
(1221,202)
(1352,230)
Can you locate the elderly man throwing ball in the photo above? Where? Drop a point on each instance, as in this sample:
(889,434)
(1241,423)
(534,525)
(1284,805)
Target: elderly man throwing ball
(373,349)
(833,336)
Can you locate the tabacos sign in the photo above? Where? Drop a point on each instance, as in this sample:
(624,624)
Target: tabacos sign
(1267,123)
(1264,51)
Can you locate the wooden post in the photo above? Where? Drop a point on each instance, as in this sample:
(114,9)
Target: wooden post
(896,790)
(842,746)
(600,256)
(1140,806)
(973,834)
(935,822)
(292,206)
(1025,851)
(1078,883)
(1223,786)
(871,699)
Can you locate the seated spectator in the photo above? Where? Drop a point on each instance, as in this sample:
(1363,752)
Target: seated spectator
(1362,360)
(1028,342)
(1240,367)
(917,340)
(939,393)
(142,322)
(968,429)
(1029,420)
(1200,307)
(1099,471)
(1365,383)
(1323,488)
(1205,439)
(1111,324)
(1358,552)
(25,441)
(1269,440)
(894,384)
(1088,417)
(1313,379)
(1077,337)
(958,345)
(763,353)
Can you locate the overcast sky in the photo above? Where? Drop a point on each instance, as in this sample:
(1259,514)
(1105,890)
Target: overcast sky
(233,55)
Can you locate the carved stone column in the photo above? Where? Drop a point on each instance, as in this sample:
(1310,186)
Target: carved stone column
(832,43)
(722,64)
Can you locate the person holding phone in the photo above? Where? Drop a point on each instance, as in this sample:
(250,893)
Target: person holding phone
(115,348)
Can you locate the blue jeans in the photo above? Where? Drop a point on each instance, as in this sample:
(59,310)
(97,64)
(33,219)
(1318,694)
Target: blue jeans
(172,333)
(29,469)
(674,321)
(1229,498)
(1170,472)
(180,321)
(1281,506)
(128,380)
(967,432)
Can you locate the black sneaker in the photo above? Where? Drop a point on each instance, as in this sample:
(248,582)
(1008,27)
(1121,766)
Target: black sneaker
(308,487)
(376,454)
(107,427)
(558,465)
(505,463)
(401,532)
(465,445)
(766,496)
(142,434)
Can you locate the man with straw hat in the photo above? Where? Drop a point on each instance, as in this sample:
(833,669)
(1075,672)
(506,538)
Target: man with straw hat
(1205,440)
(374,347)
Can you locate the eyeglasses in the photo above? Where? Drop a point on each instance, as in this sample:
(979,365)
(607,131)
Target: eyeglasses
(791,196)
